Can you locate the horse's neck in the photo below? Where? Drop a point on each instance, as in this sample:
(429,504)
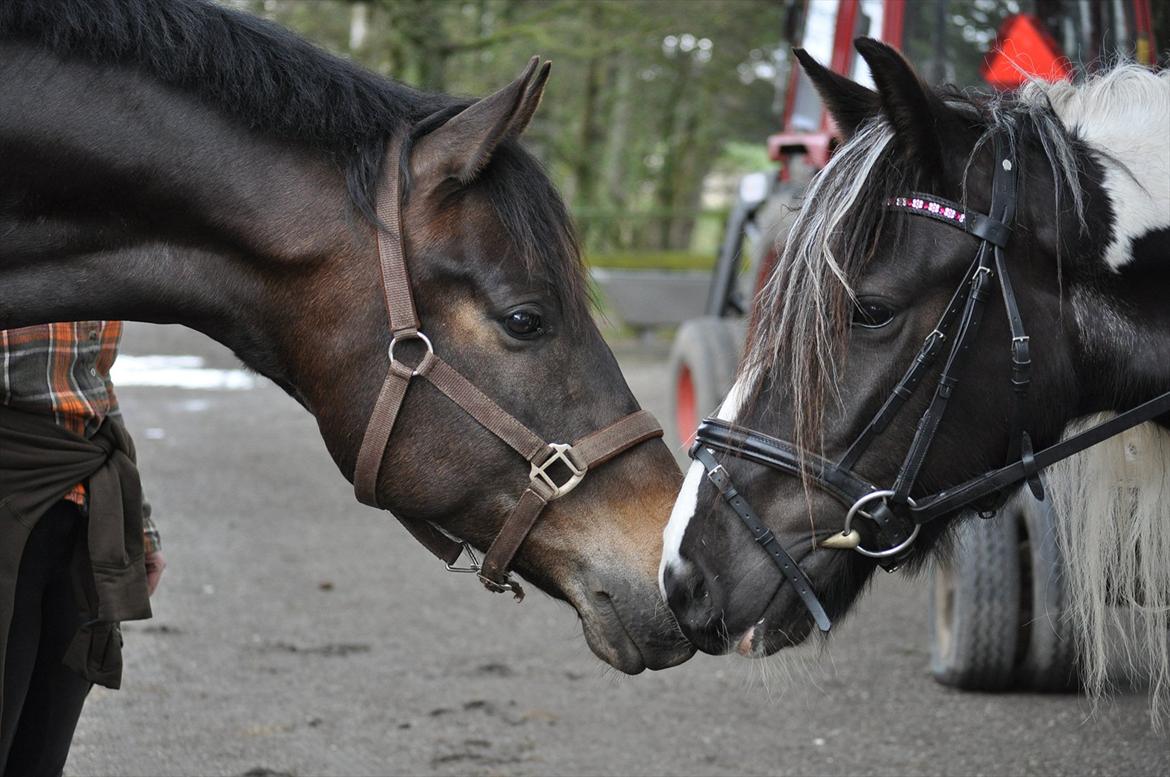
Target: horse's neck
(122,199)
(1121,307)
(1126,133)
(1119,298)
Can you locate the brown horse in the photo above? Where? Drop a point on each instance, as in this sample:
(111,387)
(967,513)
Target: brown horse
(179,162)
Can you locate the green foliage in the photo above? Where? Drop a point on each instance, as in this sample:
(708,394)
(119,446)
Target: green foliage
(653,260)
(644,98)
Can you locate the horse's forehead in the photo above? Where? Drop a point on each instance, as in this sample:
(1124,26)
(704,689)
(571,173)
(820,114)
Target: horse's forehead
(465,223)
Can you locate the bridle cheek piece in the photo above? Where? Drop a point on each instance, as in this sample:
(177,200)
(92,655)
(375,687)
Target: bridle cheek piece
(576,459)
(891,516)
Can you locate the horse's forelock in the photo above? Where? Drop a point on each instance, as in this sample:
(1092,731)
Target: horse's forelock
(804,308)
(538,225)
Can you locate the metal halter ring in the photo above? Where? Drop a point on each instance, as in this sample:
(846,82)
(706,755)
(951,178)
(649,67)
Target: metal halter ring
(475,567)
(564,453)
(416,336)
(856,508)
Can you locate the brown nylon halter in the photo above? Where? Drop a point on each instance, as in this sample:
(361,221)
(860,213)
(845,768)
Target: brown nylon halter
(580,457)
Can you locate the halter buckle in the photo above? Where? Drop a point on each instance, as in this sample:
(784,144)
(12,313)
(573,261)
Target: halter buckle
(564,453)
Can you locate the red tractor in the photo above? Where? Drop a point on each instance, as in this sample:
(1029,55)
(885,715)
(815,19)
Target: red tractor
(989,603)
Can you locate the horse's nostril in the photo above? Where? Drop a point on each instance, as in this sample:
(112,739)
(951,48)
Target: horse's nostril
(687,589)
(697,603)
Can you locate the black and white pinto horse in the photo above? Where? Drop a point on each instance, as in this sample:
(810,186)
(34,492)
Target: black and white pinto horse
(862,283)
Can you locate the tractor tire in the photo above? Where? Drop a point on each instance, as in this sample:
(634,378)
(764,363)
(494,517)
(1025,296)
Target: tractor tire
(1050,658)
(703,362)
(975,607)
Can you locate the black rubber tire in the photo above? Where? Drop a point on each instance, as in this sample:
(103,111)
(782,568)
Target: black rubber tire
(975,607)
(709,348)
(1050,659)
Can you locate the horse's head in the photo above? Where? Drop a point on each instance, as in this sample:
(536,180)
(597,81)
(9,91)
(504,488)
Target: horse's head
(500,292)
(859,289)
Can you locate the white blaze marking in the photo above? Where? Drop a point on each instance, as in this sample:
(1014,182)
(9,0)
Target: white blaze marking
(688,496)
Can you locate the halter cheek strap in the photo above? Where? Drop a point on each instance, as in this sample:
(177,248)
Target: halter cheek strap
(576,459)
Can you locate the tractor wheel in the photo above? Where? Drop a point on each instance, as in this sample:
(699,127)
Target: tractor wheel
(703,362)
(1050,661)
(975,607)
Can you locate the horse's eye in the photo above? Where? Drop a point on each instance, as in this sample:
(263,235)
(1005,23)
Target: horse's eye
(524,324)
(871,314)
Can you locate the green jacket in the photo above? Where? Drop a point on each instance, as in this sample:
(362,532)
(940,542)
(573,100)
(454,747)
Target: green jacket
(40,462)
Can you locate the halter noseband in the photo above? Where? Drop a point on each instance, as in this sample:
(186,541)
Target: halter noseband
(578,458)
(893,517)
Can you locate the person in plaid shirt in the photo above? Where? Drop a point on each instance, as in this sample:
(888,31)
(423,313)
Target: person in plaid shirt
(62,370)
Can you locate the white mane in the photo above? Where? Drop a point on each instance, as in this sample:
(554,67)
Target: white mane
(1113,500)
(1113,526)
(1124,112)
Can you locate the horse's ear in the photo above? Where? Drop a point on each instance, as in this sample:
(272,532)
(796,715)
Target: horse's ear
(530,101)
(912,108)
(459,149)
(848,102)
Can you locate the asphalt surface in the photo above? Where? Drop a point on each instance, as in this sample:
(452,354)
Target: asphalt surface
(298,632)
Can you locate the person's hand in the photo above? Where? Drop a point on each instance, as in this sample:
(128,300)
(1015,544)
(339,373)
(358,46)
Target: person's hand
(155,564)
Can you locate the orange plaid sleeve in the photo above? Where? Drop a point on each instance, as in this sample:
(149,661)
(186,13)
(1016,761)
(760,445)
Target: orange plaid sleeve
(63,369)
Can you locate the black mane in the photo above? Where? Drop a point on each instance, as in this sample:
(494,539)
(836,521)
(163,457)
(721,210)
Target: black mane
(262,74)
(277,83)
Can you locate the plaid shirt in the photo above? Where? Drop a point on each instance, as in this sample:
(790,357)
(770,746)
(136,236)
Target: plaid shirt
(63,370)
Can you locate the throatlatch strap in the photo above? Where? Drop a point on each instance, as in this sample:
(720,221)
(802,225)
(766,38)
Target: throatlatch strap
(952,499)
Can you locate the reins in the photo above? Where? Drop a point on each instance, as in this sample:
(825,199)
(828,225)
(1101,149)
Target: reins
(578,458)
(896,518)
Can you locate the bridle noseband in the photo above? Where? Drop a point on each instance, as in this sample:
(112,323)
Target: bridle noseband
(892,517)
(578,458)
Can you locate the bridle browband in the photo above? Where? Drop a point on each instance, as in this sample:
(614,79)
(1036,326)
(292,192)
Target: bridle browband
(577,459)
(892,516)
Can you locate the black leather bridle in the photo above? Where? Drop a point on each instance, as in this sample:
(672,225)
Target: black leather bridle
(893,517)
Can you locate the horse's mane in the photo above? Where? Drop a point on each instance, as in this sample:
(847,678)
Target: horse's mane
(258,72)
(278,84)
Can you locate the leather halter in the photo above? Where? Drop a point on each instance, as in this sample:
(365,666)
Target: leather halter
(578,459)
(892,517)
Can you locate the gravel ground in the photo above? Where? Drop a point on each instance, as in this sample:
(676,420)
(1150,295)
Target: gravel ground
(299,633)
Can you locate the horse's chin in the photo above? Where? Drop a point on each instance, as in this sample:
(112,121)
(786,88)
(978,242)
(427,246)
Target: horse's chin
(628,641)
(769,636)
(776,617)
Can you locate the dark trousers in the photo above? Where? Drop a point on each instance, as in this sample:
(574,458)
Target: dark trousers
(42,699)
